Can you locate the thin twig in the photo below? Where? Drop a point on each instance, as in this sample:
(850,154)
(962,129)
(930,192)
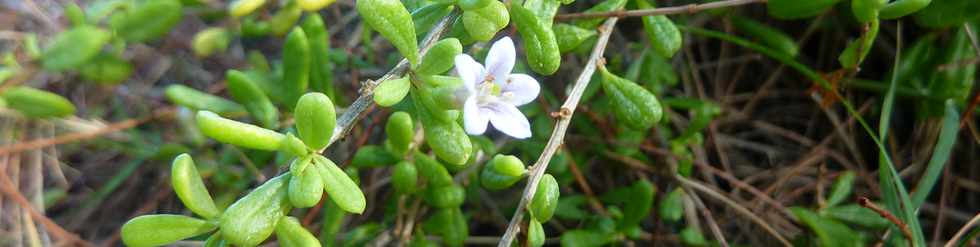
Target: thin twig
(738,208)
(346,120)
(959,234)
(864,202)
(558,134)
(684,9)
(78,136)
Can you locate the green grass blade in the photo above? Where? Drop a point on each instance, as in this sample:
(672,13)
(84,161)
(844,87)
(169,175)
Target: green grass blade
(947,138)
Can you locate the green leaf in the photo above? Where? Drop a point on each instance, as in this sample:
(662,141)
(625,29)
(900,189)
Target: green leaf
(450,224)
(447,139)
(641,201)
(341,189)
(857,215)
(237,133)
(850,57)
(315,120)
(404,177)
(672,206)
(296,67)
(829,231)
(866,10)
(400,130)
(321,67)
(106,69)
(795,9)
(245,91)
(314,5)
(427,17)
(251,219)
(535,233)
(35,103)
(210,41)
(240,8)
(285,18)
(767,35)
(501,172)
(305,188)
(544,9)
(291,233)
(661,32)
(432,171)
(948,13)
(633,104)
(570,37)
(545,200)
(842,189)
(604,6)
(392,20)
(392,91)
(690,236)
(372,156)
(147,21)
(449,196)
(468,5)
(899,8)
(74,47)
(439,58)
(483,23)
(190,188)
(540,43)
(162,229)
(197,100)
(584,238)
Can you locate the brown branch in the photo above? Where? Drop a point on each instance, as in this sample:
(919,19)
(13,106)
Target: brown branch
(7,188)
(558,134)
(864,202)
(684,9)
(78,136)
(959,234)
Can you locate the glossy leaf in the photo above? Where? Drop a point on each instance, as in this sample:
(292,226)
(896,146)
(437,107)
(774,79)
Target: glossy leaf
(190,188)
(404,177)
(197,100)
(866,10)
(449,196)
(162,229)
(899,8)
(661,32)
(540,43)
(483,23)
(545,200)
(570,36)
(249,94)
(340,188)
(434,173)
(35,103)
(439,58)
(315,120)
(392,20)
(237,133)
(305,188)
(251,219)
(392,91)
(468,5)
(296,67)
(632,104)
(400,130)
(501,172)
(291,233)
(535,233)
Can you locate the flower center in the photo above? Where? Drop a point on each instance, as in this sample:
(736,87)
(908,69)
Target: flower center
(488,91)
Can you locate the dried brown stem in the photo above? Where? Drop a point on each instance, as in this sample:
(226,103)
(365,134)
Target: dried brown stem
(864,202)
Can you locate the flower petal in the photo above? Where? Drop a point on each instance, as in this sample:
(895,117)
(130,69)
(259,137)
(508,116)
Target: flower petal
(520,88)
(509,120)
(500,59)
(469,70)
(474,118)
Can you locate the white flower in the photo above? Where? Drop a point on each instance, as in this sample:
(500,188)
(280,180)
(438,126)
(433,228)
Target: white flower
(493,93)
